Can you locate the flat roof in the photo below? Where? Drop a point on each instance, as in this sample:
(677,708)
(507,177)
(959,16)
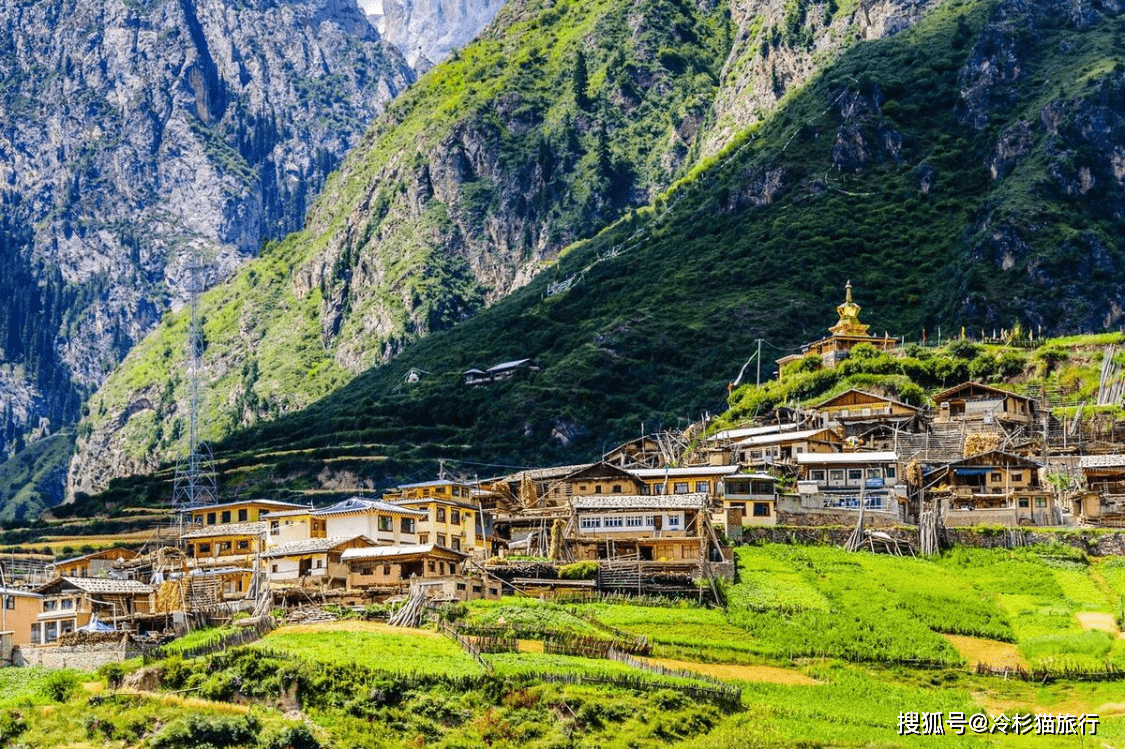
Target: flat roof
(242,503)
(653,473)
(254,528)
(734,434)
(312,545)
(844,458)
(769,439)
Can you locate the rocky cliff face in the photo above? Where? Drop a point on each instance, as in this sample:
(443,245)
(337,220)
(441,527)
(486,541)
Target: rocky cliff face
(135,136)
(778,45)
(427,31)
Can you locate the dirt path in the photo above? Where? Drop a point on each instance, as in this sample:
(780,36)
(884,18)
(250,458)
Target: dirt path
(994,653)
(767,674)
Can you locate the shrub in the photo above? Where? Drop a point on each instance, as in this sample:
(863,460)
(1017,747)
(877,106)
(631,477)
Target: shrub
(579,571)
(200,732)
(297,736)
(113,673)
(60,686)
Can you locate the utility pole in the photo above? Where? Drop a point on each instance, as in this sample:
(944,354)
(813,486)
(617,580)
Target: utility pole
(759,355)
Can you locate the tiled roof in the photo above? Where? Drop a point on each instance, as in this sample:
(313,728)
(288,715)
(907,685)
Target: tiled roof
(692,501)
(108,585)
(312,545)
(228,529)
(360,506)
(381,552)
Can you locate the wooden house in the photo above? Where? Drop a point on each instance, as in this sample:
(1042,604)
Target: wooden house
(974,402)
(293,525)
(786,447)
(1103,501)
(598,478)
(451,519)
(225,544)
(686,480)
(317,560)
(499,372)
(753,496)
(95,564)
(243,511)
(391,568)
(1008,485)
(668,527)
(648,451)
(19,612)
(846,334)
(721,448)
(384,522)
(69,603)
(858,410)
(840,479)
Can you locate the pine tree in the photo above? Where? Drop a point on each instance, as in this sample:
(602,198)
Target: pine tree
(581,81)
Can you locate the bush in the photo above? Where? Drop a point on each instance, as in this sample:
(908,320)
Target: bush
(60,686)
(113,673)
(199,732)
(579,571)
(297,736)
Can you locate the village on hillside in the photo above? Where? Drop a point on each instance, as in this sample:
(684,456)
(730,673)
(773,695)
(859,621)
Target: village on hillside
(658,515)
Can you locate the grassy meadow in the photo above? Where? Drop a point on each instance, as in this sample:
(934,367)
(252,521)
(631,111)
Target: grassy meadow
(829,649)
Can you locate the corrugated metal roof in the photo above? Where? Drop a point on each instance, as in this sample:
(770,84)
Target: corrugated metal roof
(381,552)
(312,545)
(805,459)
(655,473)
(360,505)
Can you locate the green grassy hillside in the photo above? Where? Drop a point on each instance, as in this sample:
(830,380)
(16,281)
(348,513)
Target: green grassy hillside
(949,171)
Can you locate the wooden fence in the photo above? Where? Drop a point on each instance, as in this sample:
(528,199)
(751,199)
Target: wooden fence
(466,645)
(239,636)
(1065,672)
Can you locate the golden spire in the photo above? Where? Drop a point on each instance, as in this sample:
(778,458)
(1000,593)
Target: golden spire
(849,323)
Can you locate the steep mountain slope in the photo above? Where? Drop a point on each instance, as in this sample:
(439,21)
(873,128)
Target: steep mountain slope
(426,32)
(960,172)
(136,134)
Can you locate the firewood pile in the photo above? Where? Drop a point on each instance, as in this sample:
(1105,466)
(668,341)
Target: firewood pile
(310,615)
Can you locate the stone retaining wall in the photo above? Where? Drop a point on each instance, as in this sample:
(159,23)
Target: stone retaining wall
(82,657)
(1096,542)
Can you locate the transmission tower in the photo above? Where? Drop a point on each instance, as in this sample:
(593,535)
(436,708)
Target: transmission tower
(195,476)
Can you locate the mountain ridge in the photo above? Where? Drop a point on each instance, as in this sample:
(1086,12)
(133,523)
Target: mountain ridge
(880,152)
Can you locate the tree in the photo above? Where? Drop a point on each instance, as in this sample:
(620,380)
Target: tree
(581,81)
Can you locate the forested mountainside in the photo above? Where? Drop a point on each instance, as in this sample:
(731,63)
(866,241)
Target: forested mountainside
(964,171)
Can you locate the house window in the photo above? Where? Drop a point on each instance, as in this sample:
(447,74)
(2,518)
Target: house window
(1017,477)
(210,518)
(198,518)
(590,523)
(634,521)
(817,474)
(658,488)
(407,525)
(650,520)
(273,568)
(996,478)
(319,563)
(51,632)
(50,605)
(243,515)
(615,522)
(761,509)
(226,516)
(836,476)
(387,569)
(457,544)
(423,538)
(274,528)
(441,515)
(673,521)
(1023,501)
(889,471)
(433,566)
(873,473)
(1040,501)
(680,487)
(703,486)
(386,523)
(66,628)
(244,545)
(855,474)
(67,603)
(9,602)
(35,634)
(205,548)
(755,453)
(455,517)
(617,489)
(441,540)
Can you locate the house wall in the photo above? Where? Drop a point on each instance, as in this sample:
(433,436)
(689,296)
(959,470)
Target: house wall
(439,526)
(80,657)
(628,525)
(300,528)
(367,524)
(19,619)
(214,547)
